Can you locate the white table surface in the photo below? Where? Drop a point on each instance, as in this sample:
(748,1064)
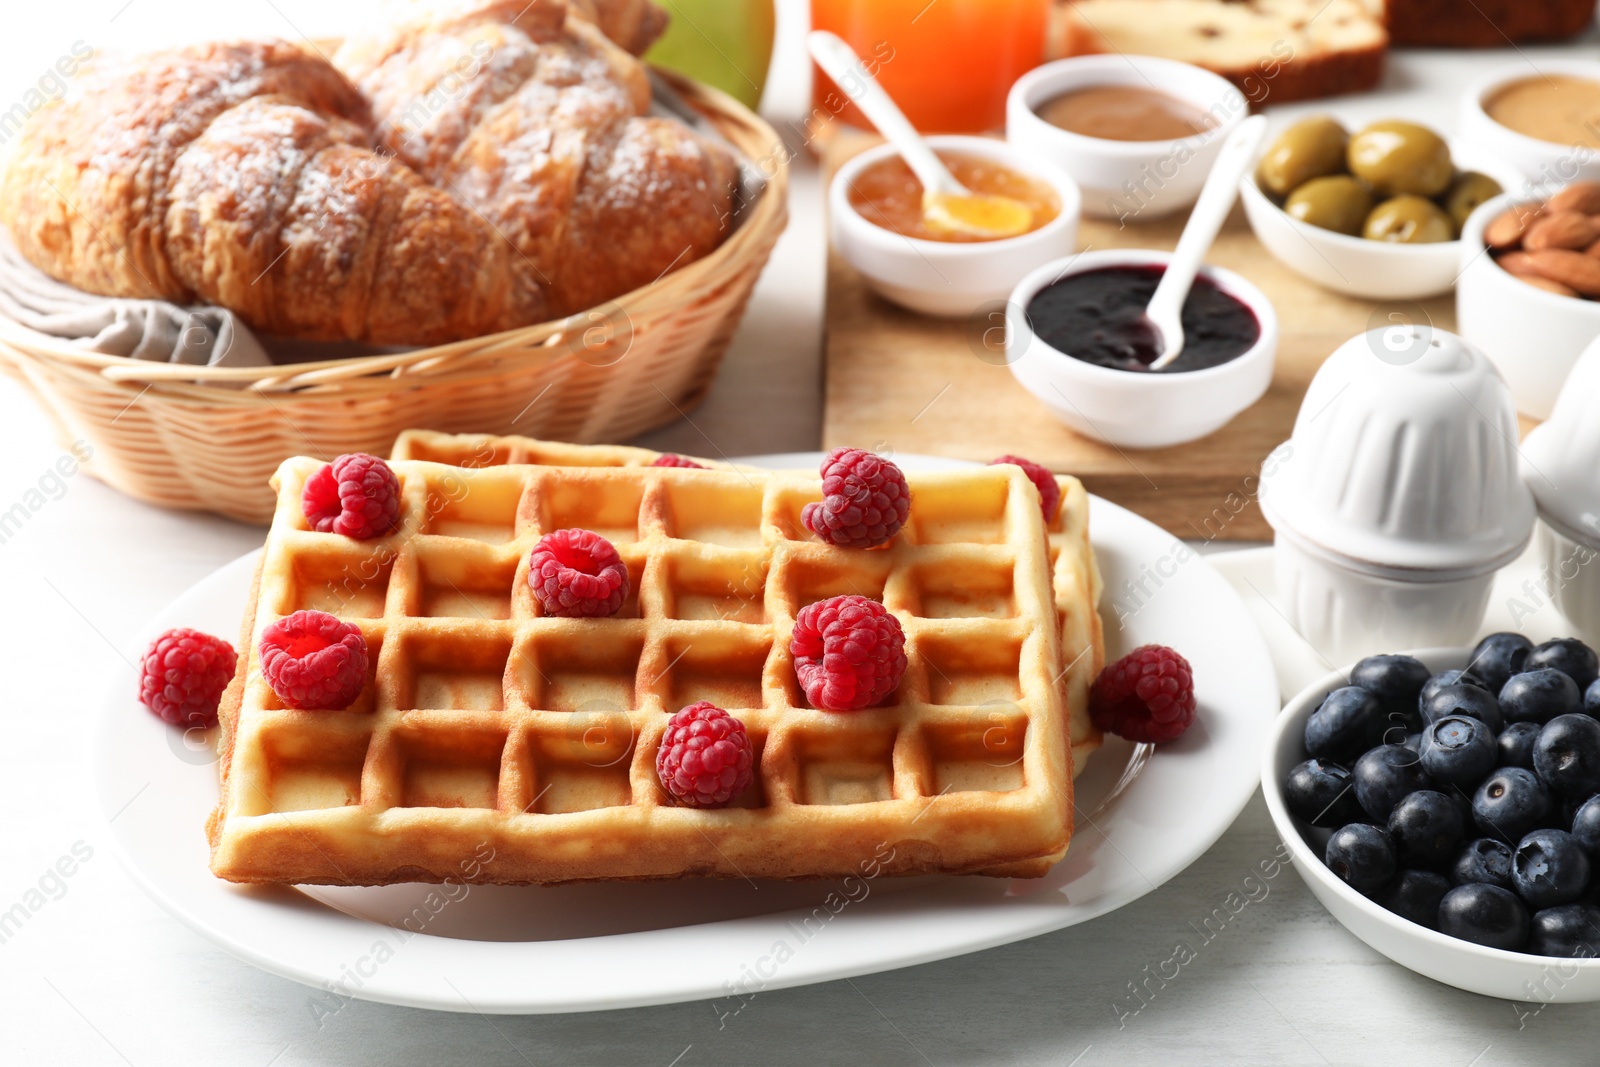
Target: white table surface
(97,974)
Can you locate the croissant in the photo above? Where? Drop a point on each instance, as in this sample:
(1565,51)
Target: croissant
(543,131)
(243,175)
(486,166)
(633,24)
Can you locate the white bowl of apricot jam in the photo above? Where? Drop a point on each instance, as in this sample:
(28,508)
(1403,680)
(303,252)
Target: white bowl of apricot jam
(876,218)
(1137,133)
(1077,339)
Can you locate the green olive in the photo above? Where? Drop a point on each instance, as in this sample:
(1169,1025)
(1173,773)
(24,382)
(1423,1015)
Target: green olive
(1311,148)
(1408,220)
(1467,193)
(1338,202)
(1401,157)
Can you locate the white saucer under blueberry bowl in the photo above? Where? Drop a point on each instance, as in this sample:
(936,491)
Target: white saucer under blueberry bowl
(1490,971)
(1143,816)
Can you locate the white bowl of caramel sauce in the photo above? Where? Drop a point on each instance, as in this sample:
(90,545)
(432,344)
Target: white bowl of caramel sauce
(876,222)
(1545,123)
(1137,133)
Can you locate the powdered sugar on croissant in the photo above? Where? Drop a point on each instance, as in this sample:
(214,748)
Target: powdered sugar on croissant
(491,168)
(243,175)
(544,132)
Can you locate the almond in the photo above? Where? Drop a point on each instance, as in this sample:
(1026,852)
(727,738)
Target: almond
(1594,249)
(1572,269)
(1583,197)
(1549,286)
(1506,230)
(1517,263)
(1561,229)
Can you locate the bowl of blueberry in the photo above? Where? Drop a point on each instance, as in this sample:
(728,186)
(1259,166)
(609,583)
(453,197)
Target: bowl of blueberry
(1444,806)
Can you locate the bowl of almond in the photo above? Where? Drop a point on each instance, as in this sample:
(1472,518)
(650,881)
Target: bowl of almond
(1529,290)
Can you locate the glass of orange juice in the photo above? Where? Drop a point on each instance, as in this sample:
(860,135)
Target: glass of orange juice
(947,63)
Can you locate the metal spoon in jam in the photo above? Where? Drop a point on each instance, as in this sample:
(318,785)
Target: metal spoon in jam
(946,203)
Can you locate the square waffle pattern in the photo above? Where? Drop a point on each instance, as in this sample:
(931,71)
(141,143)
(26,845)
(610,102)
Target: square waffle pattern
(1075,576)
(486,723)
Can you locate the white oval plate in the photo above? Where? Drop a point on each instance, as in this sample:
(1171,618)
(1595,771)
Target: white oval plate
(512,949)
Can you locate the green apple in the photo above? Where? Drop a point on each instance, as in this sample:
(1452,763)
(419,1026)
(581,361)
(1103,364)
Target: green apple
(725,43)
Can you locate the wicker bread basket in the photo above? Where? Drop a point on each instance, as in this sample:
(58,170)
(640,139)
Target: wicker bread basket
(209,438)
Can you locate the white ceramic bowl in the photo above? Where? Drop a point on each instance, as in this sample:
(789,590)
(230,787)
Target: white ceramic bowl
(1127,408)
(949,279)
(1539,162)
(1126,179)
(1489,971)
(1534,337)
(1373,270)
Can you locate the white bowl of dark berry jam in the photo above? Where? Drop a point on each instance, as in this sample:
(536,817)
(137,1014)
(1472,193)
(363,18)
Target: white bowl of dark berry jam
(1077,339)
(1482,911)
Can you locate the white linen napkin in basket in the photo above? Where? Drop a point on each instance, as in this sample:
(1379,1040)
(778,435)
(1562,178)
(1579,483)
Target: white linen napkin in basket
(139,329)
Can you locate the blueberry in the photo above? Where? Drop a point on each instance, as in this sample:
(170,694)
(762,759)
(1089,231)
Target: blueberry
(1349,722)
(1415,895)
(1395,681)
(1322,794)
(1463,699)
(1567,755)
(1508,804)
(1591,700)
(1539,696)
(1498,657)
(1459,751)
(1413,742)
(1484,860)
(1463,801)
(1586,827)
(1569,656)
(1427,830)
(1444,678)
(1516,744)
(1486,915)
(1361,855)
(1571,931)
(1549,867)
(1385,774)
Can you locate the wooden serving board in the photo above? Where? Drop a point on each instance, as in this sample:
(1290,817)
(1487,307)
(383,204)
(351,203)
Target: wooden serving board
(900,381)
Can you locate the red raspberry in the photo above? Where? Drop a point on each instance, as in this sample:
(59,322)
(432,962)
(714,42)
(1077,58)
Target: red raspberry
(849,653)
(705,757)
(577,574)
(314,661)
(1042,479)
(355,495)
(1147,695)
(672,459)
(183,675)
(865,500)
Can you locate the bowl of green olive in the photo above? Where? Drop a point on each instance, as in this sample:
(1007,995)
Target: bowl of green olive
(1373,211)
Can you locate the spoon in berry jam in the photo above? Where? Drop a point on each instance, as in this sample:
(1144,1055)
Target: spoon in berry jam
(946,204)
(1164,313)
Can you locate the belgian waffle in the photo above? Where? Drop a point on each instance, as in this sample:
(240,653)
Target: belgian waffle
(485,724)
(1075,575)
(483,450)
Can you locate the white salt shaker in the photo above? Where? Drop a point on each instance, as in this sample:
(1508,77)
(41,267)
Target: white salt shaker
(1397,497)
(1561,464)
